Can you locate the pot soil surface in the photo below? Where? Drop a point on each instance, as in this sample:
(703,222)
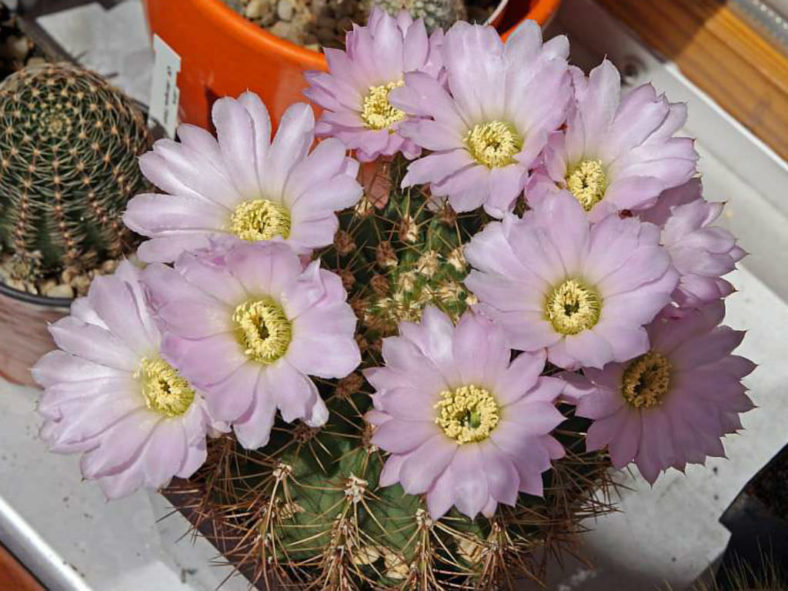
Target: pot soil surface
(323,23)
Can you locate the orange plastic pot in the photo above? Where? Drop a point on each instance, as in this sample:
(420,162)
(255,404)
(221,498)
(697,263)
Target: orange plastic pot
(224,54)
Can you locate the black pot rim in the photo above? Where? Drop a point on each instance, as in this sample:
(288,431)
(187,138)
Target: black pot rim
(31,298)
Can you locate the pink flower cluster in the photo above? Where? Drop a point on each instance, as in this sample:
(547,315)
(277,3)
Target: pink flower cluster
(613,277)
(153,361)
(613,273)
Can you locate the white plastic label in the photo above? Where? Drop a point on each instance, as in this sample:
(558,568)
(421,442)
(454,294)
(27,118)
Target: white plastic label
(164,90)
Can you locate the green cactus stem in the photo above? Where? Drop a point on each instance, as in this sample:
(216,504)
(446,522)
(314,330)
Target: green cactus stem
(69,144)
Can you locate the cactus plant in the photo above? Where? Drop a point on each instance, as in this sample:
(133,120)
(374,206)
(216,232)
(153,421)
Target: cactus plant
(68,164)
(437,14)
(307,509)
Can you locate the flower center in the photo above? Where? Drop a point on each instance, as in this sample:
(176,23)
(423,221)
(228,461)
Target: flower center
(587,182)
(262,329)
(163,388)
(467,414)
(573,307)
(646,380)
(494,144)
(377,112)
(260,219)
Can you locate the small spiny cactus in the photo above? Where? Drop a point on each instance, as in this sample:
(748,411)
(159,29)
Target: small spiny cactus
(306,510)
(68,164)
(437,14)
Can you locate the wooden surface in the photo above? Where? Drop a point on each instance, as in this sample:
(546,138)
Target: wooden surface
(720,53)
(13,576)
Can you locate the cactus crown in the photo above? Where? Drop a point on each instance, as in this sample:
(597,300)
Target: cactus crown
(437,14)
(306,510)
(68,164)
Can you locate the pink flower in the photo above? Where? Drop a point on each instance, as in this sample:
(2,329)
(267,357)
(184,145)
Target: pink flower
(463,423)
(112,394)
(700,252)
(552,279)
(670,406)
(616,153)
(487,130)
(248,326)
(244,185)
(355,92)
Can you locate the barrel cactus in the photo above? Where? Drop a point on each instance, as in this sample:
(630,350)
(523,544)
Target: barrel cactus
(68,164)
(443,443)
(307,509)
(437,14)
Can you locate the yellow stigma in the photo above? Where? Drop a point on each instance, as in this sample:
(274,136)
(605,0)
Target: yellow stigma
(587,182)
(377,112)
(164,390)
(467,414)
(494,144)
(573,307)
(260,219)
(646,380)
(262,329)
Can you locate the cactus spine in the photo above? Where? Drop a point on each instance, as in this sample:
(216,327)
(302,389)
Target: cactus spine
(437,14)
(306,510)
(68,164)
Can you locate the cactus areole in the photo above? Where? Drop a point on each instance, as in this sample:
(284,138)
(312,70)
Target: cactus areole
(68,164)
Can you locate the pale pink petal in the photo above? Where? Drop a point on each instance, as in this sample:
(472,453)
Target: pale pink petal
(534,418)
(599,403)
(261,126)
(399,437)
(441,496)
(325,355)
(163,453)
(295,394)
(253,427)
(235,132)
(424,465)
(128,439)
(480,350)
(93,343)
(122,311)
(471,493)
(204,361)
(232,397)
(502,477)
(519,377)
(156,215)
(624,448)
(390,473)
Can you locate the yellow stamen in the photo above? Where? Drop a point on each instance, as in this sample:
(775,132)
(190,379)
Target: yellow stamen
(260,219)
(262,329)
(377,112)
(164,390)
(573,307)
(646,380)
(467,414)
(587,182)
(494,144)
